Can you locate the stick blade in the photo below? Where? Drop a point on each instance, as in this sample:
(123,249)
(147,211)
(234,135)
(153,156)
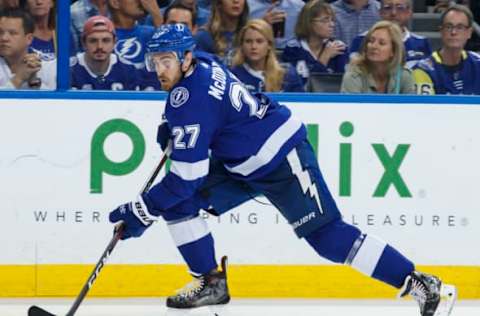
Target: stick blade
(37,311)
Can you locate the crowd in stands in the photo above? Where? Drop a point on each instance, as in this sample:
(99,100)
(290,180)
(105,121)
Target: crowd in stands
(270,45)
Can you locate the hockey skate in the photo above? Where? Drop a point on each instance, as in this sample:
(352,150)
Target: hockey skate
(433,297)
(207,289)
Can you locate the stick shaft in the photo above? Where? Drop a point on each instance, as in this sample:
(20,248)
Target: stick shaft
(113,242)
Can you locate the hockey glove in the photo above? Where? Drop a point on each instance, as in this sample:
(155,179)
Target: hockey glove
(163,135)
(135,217)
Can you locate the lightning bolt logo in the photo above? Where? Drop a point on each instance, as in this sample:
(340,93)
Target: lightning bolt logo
(303,177)
(127,44)
(128,48)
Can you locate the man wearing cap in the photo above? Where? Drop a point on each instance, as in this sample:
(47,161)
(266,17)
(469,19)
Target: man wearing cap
(98,68)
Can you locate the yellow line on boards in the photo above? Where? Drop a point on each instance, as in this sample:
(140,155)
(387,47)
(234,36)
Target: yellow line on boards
(254,281)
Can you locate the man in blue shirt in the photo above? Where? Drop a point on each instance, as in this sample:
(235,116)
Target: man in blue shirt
(400,11)
(229,146)
(275,12)
(354,17)
(132,38)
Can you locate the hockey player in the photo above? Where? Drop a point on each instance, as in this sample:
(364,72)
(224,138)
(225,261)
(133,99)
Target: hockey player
(98,68)
(229,145)
(452,69)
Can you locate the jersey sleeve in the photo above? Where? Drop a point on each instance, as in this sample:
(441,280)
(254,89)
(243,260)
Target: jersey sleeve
(192,126)
(423,82)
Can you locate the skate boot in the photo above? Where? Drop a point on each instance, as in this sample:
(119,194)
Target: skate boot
(428,291)
(207,289)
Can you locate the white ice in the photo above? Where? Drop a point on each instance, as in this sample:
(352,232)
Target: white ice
(237,307)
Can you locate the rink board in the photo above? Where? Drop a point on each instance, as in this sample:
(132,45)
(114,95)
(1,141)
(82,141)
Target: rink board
(405,172)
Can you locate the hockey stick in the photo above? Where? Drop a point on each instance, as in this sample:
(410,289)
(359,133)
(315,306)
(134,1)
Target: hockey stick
(37,311)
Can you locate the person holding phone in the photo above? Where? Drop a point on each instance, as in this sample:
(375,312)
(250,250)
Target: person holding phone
(281,14)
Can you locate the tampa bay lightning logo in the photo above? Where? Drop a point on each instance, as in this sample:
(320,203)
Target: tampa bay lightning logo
(129,48)
(179,96)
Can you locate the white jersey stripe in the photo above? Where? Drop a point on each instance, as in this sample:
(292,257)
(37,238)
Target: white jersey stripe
(369,254)
(269,149)
(190,171)
(188,231)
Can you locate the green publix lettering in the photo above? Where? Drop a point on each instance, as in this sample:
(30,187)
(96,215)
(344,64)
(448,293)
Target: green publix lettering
(101,164)
(390,162)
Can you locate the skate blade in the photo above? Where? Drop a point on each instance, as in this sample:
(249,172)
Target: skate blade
(448,296)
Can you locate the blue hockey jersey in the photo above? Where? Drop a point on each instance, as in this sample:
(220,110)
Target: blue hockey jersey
(119,76)
(46,49)
(254,80)
(416,47)
(210,113)
(298,53)
(130,45)
(433,77)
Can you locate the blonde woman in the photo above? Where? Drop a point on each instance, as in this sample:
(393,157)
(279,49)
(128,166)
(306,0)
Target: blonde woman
(380,66)
(256,64)
(218,37)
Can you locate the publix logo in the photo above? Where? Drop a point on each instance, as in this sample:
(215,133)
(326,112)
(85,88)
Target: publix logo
(390,181)
(100,164)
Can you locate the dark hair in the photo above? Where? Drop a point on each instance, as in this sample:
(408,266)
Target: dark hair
(177,4)
(27,21)
(458,8)
(52,14)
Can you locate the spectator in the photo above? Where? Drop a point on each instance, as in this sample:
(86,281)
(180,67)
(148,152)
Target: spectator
(132,38)
(354,17)
(218,37)
(281,14)
(179,13)
(43,14)
(98,68)
(400,11)
(80,11)
(379,68)
(255,62)
(313,49)
(452,69)
(20,69)
(202,14)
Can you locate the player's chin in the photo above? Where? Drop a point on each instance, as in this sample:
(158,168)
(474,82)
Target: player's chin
(165,85)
